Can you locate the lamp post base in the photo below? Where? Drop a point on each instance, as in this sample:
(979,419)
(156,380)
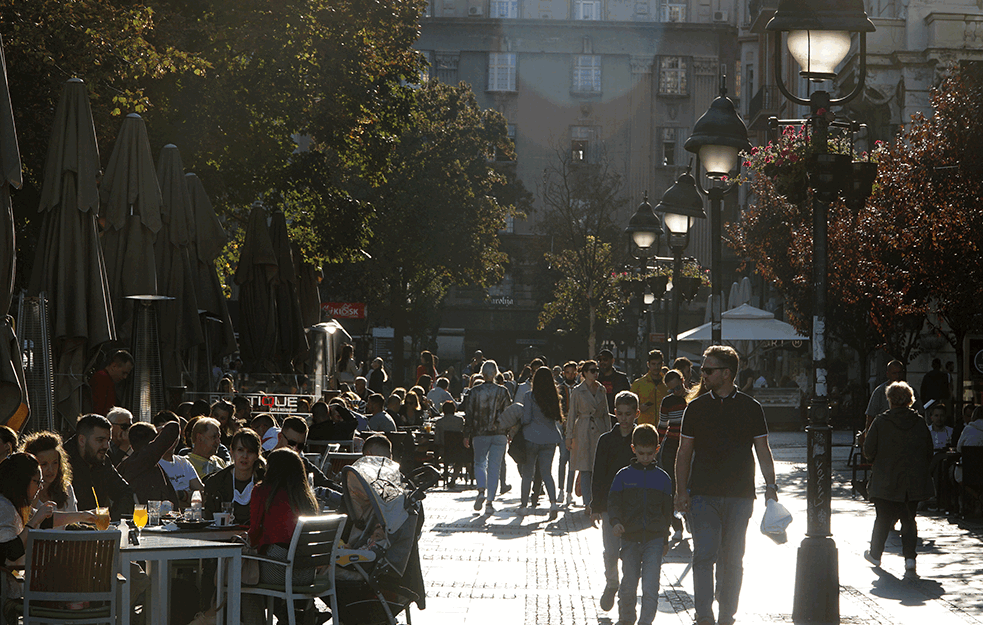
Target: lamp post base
(817,582)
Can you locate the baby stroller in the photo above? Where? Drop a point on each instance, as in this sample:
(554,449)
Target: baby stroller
(379,572)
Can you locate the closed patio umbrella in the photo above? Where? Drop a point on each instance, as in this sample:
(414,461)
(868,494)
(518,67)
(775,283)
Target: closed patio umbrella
(291,339)
(69,267)
(207,242)
(14,407)
(132,200)
(255,275)
(180,325)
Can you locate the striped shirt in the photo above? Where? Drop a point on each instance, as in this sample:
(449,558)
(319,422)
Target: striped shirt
(671,416)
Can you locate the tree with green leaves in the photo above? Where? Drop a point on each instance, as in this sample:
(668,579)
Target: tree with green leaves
(581,201)
(438,211)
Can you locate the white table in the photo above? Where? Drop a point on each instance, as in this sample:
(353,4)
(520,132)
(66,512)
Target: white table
(158,551)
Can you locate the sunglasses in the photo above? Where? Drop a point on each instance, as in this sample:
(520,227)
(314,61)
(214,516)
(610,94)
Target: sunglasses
(710,370)
(123,426)
(298,445)
(594,370)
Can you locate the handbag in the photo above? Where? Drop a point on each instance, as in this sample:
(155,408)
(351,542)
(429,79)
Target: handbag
(517,448)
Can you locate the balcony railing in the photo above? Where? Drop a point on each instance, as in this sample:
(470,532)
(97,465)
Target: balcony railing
(763,105)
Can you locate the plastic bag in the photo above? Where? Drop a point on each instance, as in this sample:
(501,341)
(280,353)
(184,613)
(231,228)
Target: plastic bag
(775,520)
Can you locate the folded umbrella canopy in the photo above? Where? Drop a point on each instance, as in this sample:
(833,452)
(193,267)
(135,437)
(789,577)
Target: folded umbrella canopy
(131,198)
(180,325)
(255,275)
(14,407)
(292,344)
(208,240)
(69,267)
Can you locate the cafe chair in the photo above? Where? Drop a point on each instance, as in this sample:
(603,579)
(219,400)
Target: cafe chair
(455,458)
(971,487)
(314,545)
(404,449)
(69,577)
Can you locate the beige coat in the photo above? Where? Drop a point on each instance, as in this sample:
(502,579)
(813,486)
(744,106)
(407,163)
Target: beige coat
(587,419)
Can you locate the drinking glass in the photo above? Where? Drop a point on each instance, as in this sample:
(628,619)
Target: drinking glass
(140,516)
(153,509)
(102,519)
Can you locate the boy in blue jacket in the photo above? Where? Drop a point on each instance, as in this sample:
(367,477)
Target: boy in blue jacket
(640,506)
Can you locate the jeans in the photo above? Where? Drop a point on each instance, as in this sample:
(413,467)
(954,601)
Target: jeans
(564,465)
(888,513)
(719,527)
(612,547)
(488,454)
(543,455)
(585,486)
(640,560)
(667,460)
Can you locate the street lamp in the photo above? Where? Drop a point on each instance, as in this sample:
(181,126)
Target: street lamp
(644,229)
(819,37)
(681,205)
(717,140)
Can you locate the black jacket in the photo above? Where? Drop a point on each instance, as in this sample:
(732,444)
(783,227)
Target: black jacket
(110,487)
(613,454)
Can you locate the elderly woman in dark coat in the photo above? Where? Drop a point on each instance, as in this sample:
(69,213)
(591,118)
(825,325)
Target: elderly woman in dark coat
(899,445)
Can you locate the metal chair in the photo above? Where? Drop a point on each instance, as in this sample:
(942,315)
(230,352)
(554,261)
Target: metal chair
(314,544)
(971,488)
(454,456)
(64,571)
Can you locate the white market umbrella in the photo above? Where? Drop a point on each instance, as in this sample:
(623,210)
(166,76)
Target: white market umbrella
(746,323)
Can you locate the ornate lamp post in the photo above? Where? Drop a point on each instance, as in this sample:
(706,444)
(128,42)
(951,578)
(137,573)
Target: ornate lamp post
(681,205)
(819,37)
(644,229)
(718,138)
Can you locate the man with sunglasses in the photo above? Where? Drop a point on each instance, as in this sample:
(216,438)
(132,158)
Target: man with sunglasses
(715,481)
(119,444)
(293,434)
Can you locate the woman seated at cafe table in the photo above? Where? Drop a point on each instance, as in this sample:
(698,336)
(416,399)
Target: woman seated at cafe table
(235,483)
(20,482)
(56,473)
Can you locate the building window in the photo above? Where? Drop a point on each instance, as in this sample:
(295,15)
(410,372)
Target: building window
(587,73)
(501,71)
(587,9)
(670,138)
(672,75)
(580,138)
(504,9)
(673,11)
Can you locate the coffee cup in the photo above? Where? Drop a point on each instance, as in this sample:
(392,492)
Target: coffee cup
(221,519)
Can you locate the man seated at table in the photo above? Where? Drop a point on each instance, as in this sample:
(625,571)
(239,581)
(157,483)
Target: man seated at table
(380,421)
(103,382)
(205,439)
(333,421)
(439,393)
(293,434)
(91,469)
(378,445)
(178,469)
(450,422)
(142,469)
(119,442)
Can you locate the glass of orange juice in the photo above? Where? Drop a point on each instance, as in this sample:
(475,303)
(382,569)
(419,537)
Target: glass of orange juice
(140,516)
(102,519)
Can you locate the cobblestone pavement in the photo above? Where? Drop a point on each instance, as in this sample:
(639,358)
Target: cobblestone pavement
(506,569)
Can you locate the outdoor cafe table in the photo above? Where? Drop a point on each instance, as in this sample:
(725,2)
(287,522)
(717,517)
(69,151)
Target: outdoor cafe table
(159,549)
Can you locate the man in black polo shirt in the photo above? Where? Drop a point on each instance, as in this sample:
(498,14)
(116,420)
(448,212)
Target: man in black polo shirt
(719,429)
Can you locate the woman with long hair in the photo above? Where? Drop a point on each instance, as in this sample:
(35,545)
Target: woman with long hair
(275,505)
(20,482)
(427,366)
(377,377)
(542,419)
(235,483)
(347,367)
(412,412)
(56,475)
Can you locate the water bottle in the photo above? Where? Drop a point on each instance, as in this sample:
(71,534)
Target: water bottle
(196,506)
(124,531)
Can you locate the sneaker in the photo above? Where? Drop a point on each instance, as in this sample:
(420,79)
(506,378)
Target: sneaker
(559,497)
(522,511)
(677,536)
(909,568)
(489,508)
(479,501)
(607,598)
(505,488)
(870,558)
